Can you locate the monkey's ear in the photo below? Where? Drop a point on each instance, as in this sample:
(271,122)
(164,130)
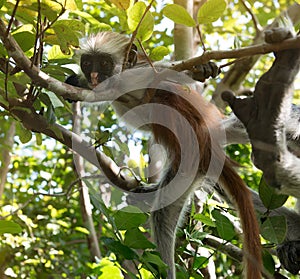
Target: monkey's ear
(132,56)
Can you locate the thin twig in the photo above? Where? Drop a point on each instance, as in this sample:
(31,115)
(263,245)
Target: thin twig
(146,55)
(134,34)
(200,37)
(231,62)
(12,17)
(256,24)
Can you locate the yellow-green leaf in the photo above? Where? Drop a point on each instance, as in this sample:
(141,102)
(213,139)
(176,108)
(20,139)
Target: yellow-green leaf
(121,4)
(159,53)
(24,134)
(135,16)
(211,10)
(178,14)
(9,227)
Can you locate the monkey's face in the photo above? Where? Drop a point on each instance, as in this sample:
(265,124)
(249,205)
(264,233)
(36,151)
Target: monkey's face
(97,67)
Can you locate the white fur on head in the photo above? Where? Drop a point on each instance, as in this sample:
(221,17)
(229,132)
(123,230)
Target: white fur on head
(106,42)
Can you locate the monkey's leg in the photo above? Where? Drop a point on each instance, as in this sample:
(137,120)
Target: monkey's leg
(165,221)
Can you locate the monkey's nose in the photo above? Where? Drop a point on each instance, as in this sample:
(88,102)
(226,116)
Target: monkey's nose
(94,79)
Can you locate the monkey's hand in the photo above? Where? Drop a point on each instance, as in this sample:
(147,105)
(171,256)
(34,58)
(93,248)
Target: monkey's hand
(145,188)
(289,255)
(204,71)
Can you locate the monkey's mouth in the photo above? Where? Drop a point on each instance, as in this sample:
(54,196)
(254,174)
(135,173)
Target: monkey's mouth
(94,79)
(97,78)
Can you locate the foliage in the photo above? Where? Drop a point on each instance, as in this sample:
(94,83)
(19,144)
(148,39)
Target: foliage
(43,233)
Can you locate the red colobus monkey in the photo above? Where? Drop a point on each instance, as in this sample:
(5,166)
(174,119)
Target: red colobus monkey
(179,120)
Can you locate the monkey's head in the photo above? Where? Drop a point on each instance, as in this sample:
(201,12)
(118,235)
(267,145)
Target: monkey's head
(103,54)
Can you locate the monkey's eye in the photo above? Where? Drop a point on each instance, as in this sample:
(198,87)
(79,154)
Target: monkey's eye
(86,63)
(105,63)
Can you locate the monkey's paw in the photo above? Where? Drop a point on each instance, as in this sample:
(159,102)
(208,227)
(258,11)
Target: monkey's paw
(277,35)
(145,188)
(289,256)
(204,71)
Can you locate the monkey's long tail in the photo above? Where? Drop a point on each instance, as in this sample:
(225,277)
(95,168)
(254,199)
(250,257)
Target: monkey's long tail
(242,197)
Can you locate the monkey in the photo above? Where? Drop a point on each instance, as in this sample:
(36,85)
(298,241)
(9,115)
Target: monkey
(178,121)
(273,128)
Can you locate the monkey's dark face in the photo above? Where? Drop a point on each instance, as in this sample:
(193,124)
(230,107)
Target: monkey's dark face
(97,67)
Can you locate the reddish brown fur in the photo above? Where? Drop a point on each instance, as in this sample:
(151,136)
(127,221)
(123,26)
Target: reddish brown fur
(201,115)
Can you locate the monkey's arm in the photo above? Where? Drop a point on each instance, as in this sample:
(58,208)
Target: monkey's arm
(198,72)
(236,132)
(266,115)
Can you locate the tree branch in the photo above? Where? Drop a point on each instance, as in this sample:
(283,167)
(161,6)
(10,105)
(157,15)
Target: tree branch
(237,53)
(236,75)
(33,121)
(37,76)
(228,249)
(70,92)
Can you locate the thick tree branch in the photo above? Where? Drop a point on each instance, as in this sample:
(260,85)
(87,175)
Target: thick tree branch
(77,94)
(237,53)
(33,121)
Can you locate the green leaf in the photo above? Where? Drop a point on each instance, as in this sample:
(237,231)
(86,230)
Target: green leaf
(9,227)
(200,262)
(1,3)
(204,219)
(274,229)
(82,230)
(102,137)
(25,40)
(38,139)
(152,258)
(118,248)
(24,134)
(129,217)
(46,9)
(20,78)
(55,53)
(196,236)
(268,262)
(178,14)
(269,197)
(3,51)
(93,21)
(68,33)
(146,27)
(110,271)
(134,238)
(56,71)
(50,114)
(26,15)
(159,53)
(73,4)
(55,101)
(107,151)
(224,226)
(211,10)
